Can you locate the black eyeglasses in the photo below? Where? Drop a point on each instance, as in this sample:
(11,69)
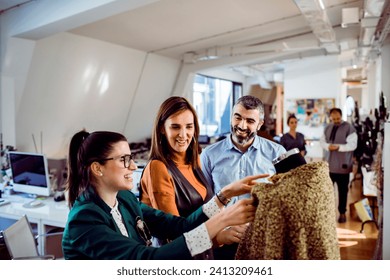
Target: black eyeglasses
(126,159)
(143,231)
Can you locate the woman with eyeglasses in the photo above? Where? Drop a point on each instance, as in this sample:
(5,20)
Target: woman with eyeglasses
(106,221)
(293,139)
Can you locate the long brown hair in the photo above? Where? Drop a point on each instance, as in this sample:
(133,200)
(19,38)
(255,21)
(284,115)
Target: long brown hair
(160,148)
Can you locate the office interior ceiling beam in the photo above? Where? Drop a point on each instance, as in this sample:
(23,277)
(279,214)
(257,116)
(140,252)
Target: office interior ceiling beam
(315,15)
(372,15)
(294,44)
(251,59)
(373,8)
(383,27)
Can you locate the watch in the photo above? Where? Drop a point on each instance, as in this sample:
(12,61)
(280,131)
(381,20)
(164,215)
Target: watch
(222,198)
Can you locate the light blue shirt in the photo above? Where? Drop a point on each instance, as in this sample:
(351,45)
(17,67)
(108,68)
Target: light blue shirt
(223,163)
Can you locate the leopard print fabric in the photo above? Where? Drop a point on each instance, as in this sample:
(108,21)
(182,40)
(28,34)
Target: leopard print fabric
(295,217)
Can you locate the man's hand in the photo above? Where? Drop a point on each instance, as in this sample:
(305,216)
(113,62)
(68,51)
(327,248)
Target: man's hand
(333,147)
(242,186)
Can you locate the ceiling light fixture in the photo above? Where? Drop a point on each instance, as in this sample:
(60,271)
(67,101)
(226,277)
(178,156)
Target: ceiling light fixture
(321,5)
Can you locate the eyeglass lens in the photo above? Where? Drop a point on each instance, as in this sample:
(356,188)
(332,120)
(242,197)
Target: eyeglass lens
(126,160)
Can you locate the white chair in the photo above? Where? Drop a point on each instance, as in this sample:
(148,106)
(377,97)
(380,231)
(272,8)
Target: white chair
(21,242)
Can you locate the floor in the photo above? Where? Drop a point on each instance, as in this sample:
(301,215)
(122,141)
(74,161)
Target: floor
(355,245)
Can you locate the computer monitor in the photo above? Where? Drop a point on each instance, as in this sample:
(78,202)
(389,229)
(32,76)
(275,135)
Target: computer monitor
(30,173)
(204,139)
(136,181)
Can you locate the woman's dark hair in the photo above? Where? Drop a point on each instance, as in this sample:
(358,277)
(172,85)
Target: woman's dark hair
(292,116)
(338,110)
(160,148)
(84,149)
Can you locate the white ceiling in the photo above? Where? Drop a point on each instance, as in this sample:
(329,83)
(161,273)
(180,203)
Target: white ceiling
(264,31)
(6,5)
(173,27)
(232,33)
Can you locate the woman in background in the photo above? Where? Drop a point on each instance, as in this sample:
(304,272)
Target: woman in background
(173,181)
(106,221)
(293,139)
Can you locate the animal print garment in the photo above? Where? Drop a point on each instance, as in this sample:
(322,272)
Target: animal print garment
(295,217)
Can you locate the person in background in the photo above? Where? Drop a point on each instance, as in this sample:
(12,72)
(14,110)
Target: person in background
(240,154)
(106,221)
(293,139)
(339,140)
(173,181)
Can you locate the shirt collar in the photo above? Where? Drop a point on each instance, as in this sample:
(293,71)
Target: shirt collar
(115,208)
(230,145)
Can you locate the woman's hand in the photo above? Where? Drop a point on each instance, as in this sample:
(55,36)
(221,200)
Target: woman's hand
(242,186)
(230,235)
(240,213)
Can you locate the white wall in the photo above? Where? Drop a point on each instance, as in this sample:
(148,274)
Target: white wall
(303,81)
(374,86)
(386,193)
(385,82)
(14,74)
(385,69)
(75,82)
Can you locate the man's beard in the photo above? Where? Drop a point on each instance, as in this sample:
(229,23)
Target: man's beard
(242,140)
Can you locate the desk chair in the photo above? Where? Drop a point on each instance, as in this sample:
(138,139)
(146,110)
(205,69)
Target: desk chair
(21,242)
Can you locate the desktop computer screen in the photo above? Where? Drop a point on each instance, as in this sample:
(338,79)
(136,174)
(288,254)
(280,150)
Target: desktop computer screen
(136,181)
(30,173)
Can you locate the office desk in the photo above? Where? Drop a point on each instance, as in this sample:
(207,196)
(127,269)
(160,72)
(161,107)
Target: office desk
(52,214)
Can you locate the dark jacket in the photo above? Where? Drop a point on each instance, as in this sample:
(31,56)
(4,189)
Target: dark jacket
(289,142)
(91,232)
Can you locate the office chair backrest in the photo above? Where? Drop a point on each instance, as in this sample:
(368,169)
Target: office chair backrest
(20,240)
(53,243)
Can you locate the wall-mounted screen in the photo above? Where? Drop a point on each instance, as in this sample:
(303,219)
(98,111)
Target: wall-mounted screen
(30,173)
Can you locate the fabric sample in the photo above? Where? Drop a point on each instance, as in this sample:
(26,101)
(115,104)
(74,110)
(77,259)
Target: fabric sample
(295,217)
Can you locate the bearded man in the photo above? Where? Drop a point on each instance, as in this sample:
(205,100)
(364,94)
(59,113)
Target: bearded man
(339,141)
(240,154)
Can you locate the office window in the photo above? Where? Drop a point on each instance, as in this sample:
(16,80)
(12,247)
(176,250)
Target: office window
(213,100)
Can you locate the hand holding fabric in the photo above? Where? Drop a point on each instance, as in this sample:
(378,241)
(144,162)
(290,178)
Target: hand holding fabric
(231,235)
(242,186)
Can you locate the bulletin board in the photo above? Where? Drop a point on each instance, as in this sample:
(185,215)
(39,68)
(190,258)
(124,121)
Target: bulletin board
(312,114)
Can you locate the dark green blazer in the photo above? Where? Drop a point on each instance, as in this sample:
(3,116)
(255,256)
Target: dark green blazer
(91,232)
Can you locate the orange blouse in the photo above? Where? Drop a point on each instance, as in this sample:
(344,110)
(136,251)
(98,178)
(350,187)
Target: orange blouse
(158,187)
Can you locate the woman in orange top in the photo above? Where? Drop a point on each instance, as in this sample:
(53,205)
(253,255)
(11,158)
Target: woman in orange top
(173,181)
